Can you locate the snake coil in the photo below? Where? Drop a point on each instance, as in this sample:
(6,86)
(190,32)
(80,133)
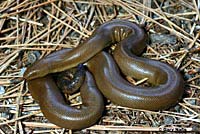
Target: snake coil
(130,39)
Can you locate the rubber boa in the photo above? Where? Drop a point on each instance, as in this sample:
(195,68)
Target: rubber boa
(107,34)
(121,92)
(131,41)
(70,81)
(54,107)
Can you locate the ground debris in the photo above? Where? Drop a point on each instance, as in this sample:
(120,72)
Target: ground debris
(41,27)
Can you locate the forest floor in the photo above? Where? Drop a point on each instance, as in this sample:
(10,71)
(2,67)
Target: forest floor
(30,30)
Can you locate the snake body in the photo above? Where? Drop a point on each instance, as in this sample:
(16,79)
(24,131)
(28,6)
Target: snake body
(167,83)
(55,108)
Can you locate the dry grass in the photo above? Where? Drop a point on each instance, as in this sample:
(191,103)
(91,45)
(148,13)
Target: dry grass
(47,26)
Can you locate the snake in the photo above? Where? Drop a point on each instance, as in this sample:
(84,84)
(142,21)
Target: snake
(105,76)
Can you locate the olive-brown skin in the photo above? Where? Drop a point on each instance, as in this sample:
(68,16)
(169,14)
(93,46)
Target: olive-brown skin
(131,40)
(57,111)
(119,91)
